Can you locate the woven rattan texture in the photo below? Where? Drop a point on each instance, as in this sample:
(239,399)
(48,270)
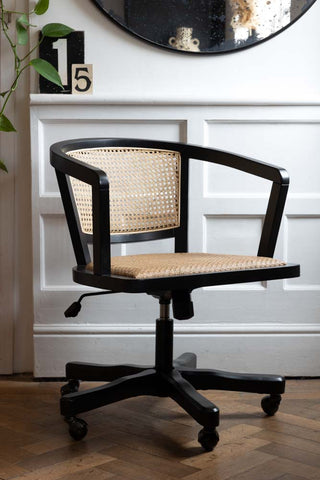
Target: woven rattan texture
(177,264)
(144,188)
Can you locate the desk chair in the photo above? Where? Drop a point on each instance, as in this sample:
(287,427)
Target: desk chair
(128,190)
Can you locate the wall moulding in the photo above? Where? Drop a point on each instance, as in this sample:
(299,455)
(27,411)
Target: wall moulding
(224,352)
(281,322)
(177,98)
(190,329)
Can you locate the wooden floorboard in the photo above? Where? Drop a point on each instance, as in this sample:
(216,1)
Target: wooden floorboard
(150,438)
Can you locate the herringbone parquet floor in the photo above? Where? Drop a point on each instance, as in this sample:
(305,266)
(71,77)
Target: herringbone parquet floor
(153,439)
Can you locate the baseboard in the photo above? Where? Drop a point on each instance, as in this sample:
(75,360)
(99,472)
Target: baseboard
(287,349)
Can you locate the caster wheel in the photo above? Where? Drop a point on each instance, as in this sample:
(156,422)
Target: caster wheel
(270,404)
(78,428)
(71,387)
(208,439)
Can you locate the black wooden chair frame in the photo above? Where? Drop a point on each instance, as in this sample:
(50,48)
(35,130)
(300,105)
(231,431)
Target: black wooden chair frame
(178,379)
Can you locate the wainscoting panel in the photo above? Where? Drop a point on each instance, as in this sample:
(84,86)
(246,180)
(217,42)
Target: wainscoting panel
(303,237)
(271,327)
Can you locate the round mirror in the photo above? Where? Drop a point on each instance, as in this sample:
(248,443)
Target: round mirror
(204,26)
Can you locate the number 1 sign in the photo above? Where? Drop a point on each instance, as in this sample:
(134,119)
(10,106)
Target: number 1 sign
(63,53)
(61,46)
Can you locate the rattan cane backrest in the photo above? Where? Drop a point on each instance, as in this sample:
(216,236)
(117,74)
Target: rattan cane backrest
(144,188)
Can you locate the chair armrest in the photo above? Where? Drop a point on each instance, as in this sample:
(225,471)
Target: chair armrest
(66,165)
(77,169)
(239,162)
(277,199)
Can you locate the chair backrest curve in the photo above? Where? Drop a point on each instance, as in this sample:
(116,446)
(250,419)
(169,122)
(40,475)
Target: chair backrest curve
(144,188)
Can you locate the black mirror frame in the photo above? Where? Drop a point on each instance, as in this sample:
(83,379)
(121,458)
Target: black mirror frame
(219,52)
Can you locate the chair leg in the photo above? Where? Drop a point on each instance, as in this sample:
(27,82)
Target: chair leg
(142,383)
(203,379)
(103,373)
(201,409)
(186,360)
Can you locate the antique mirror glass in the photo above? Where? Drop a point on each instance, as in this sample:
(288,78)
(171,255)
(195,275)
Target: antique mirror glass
(204,26)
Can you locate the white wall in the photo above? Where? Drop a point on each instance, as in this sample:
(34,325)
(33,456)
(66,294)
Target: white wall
(262,102)
(284,70)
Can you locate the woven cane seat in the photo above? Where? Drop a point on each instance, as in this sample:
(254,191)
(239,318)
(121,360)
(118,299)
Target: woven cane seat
(144,186)
(177,264)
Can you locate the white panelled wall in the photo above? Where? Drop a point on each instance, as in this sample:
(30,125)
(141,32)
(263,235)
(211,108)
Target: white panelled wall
(262,102)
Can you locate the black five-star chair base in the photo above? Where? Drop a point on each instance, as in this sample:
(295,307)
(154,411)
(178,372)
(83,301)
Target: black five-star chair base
(179,379)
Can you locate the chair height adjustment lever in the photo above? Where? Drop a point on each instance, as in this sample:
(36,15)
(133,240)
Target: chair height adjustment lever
(75,307)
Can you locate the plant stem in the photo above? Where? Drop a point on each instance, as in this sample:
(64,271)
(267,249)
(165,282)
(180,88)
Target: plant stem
(17,60)
(32,50)
(18,13)
(5,25)
(12,88)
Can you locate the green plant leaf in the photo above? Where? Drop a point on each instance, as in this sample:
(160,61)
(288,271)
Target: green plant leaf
(6,125)
(23,20)
(3,94)
(41,7)
(3,167)
(56,30)
(22,32)
(46,70)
